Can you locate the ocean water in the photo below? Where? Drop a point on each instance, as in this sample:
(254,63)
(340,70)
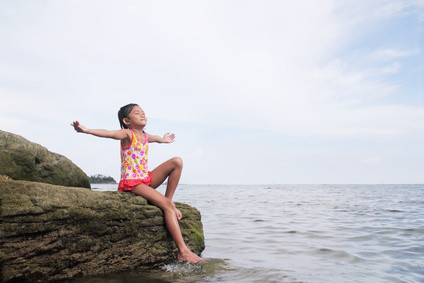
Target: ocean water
(300,233)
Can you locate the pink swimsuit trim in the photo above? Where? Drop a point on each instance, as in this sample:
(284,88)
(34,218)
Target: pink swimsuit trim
(129,185)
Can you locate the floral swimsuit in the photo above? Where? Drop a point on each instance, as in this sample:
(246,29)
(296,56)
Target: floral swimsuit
(134,164)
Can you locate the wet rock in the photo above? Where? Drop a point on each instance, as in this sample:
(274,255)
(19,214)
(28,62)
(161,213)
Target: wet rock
(53,232)
(21,159)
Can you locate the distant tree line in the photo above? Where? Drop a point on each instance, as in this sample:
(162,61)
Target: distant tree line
(101,179)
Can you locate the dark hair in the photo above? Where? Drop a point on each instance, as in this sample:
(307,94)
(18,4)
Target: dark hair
(124,112)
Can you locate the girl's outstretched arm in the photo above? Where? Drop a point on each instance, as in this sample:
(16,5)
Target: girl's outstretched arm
(117,135)
(167,138)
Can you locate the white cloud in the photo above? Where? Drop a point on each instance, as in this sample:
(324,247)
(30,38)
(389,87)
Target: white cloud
(390,53)
(343,84)
(362,13)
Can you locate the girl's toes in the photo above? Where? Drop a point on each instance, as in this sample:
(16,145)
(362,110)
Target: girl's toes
(179,214)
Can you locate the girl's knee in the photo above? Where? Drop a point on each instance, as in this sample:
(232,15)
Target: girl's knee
(178,162)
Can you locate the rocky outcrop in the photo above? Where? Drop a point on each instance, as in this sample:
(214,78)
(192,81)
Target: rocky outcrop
(21,159)
(53,232)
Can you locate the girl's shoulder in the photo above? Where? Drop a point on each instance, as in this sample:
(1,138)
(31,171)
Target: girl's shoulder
(129,133)
(127,141)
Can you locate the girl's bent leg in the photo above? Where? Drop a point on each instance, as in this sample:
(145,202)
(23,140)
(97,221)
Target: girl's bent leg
(171,221)
(170,169)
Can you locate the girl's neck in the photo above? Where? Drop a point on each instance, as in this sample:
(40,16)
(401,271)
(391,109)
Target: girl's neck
(137,131)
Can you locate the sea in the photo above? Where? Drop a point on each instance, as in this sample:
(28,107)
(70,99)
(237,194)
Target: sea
(299,233)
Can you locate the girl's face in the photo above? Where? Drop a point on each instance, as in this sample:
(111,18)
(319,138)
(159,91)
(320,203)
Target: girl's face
(136,118)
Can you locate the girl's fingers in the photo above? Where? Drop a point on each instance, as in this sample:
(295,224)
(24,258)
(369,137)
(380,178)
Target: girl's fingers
(171,136)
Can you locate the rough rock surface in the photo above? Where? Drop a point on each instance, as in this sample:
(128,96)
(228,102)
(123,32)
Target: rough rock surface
(52,232)
(21,159)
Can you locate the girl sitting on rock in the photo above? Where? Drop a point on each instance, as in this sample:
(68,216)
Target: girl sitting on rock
(135,176)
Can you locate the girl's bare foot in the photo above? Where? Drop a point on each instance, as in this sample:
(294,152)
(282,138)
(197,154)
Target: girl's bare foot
(189,257)
(179,214)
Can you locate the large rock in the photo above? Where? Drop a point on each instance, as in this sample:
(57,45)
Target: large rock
(21,159)
(52,232)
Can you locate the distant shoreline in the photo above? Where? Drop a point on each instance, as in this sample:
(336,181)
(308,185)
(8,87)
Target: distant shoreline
(101,179)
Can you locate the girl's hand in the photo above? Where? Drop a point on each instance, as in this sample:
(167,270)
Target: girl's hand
(78,127)
(168,138)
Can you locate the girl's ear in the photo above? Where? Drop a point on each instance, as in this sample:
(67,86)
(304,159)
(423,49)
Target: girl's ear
(126,121)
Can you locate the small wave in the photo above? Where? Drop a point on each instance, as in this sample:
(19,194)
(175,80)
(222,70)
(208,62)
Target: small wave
(340,254)
(186,272)
(256,274)
(394,210)
(417,230)
(404,253)
(181,268)
(411,201)
(268,188)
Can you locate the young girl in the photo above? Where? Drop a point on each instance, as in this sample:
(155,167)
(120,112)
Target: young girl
(134,174)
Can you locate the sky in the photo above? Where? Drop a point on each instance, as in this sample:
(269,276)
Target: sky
(256,92)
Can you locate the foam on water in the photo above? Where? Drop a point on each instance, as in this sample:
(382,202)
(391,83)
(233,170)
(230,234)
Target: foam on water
(186,272)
